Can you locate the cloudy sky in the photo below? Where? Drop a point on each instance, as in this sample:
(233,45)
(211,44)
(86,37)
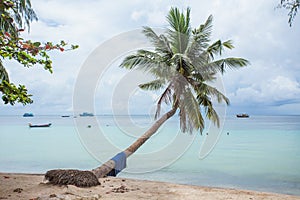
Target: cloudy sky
(261,34)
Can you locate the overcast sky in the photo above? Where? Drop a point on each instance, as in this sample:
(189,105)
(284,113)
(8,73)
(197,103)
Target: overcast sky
(261,34)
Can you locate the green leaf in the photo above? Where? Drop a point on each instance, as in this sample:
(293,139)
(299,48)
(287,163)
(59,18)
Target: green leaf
(36,44)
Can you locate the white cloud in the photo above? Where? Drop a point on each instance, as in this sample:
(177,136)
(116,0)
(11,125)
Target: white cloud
(260,33)
(276,91)
(136,15)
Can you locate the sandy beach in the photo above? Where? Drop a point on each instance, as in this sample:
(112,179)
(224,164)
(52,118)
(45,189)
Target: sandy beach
(33,187)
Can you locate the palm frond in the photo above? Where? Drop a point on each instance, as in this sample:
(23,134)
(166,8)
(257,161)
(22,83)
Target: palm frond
(178,21)
(228,44)
(203,33)
(199,43)
(166,97)
(217,48)
(183,63)
(190,115)
(205,94)
(160,43)
(180,31)
(211,113)
(142,59)
(153,85)
(231,63)
(204,89)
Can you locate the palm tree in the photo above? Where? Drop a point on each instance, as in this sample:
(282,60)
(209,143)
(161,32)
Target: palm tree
(182,62)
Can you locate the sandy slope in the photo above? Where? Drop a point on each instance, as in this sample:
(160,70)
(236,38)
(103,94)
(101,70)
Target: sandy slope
(24,186)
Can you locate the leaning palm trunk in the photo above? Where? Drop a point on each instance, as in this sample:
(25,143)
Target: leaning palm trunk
(104,169)
(90,178)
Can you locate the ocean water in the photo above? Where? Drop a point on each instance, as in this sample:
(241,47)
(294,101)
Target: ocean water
(257,153)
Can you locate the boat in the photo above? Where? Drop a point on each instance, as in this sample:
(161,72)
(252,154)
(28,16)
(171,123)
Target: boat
(28,115)
(86,114)
(65,116)
(244,115)
(39,125)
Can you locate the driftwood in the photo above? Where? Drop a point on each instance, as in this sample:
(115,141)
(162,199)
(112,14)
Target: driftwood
(72,177)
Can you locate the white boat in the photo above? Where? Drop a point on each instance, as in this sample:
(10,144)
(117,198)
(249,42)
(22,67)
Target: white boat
(86,114)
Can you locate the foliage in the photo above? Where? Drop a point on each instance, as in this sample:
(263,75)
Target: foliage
(182,63)
(15,15)
(292,6)
(12,94)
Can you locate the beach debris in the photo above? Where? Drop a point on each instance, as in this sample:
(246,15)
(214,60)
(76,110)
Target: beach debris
(72,177)
(18,190)
(52,195)
(68,197)
(93,197)
(120,189)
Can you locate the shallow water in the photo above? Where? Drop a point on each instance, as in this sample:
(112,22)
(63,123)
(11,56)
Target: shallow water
(259,153)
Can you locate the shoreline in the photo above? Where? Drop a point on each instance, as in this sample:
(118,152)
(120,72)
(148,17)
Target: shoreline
(31,186)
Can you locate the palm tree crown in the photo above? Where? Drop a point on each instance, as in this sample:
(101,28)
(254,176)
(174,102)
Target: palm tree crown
(182,62)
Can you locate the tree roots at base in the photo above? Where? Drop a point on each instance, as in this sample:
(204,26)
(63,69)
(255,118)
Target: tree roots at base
(72,177)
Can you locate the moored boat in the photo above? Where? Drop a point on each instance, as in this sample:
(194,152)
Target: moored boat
(28,115)
(39,125)
(86,114)
(244,115)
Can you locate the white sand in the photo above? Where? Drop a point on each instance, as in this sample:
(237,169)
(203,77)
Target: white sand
(28,186)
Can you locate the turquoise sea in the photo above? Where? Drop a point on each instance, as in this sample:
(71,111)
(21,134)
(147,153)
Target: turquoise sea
(257,153)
